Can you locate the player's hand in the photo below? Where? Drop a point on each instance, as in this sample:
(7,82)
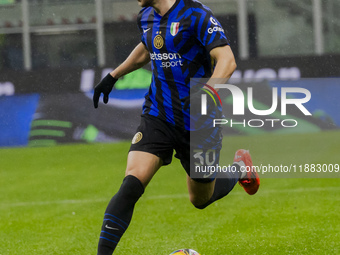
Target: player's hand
(104,86)
(193,102)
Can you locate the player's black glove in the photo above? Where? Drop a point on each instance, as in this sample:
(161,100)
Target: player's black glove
(104,86)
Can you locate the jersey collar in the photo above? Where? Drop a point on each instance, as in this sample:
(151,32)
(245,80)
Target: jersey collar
(169,11)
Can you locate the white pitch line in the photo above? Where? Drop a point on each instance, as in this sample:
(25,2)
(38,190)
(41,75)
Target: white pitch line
(169,196)
(35,203)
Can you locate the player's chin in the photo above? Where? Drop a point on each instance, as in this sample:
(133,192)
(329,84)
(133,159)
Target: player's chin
(143,3)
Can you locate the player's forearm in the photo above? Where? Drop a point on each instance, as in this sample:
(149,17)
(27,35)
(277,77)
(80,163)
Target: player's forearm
(137,59)
(224,69)
(225,65)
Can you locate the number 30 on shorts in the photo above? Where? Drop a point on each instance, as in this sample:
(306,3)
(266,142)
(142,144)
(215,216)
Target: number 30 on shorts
(204,157)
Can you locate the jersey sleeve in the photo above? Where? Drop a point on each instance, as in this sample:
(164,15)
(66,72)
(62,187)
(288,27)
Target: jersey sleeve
(208,30)
(139,24)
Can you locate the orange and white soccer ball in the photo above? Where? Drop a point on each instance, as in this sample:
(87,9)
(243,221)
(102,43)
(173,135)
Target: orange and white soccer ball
(185,252)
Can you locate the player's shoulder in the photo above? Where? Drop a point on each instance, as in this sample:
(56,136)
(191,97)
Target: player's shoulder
(144,12)
(197,6)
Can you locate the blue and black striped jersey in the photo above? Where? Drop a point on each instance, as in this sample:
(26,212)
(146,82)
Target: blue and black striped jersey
(179,44)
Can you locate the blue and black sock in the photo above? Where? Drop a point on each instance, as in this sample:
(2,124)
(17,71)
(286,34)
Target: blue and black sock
(225,182)
(118,214)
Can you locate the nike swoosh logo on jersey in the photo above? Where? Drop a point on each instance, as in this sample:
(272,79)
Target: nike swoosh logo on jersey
(146,30)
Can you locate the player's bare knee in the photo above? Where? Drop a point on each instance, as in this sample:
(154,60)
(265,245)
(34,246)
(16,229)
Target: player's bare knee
(139,175)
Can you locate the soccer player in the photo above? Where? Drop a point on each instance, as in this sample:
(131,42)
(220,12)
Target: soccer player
(180,38)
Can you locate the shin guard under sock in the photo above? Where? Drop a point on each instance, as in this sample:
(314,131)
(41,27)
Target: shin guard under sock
(118,214)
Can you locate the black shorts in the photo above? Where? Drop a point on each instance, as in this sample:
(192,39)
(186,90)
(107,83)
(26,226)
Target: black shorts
(161,138)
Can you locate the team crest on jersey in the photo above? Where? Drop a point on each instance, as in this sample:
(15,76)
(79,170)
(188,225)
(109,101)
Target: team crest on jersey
(138,136)
(174,28)
(158,42)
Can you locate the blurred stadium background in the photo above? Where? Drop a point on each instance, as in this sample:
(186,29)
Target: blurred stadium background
(53,52)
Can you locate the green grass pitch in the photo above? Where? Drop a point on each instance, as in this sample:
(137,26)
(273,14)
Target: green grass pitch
(53,199)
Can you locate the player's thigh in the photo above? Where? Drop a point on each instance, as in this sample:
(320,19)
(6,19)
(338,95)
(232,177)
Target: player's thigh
(142,165)
(200,192)
(200,157)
